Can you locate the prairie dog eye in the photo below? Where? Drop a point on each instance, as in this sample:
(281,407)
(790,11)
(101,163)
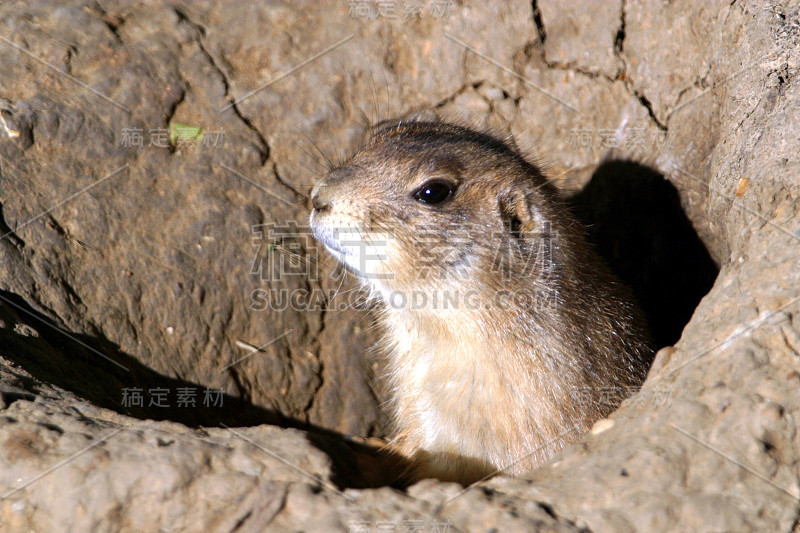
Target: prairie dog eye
(434,191)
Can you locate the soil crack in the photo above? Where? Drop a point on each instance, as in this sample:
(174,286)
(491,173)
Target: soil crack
(263,148)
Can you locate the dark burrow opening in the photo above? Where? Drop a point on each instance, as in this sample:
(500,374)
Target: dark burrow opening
(635,220)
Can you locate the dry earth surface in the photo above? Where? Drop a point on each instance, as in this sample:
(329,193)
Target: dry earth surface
(130,270)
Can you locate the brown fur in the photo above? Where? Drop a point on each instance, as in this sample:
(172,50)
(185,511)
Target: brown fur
(484,386)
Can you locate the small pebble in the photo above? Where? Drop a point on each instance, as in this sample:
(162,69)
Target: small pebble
(602,425)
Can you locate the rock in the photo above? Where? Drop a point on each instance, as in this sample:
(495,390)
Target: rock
(155,374)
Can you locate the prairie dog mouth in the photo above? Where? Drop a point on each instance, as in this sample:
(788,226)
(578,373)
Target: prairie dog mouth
(363,252)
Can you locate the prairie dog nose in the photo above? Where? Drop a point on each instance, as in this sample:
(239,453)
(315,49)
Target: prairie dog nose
(335,183)
(321,196)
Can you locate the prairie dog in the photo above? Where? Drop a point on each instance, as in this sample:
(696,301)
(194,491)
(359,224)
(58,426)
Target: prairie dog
(506,337)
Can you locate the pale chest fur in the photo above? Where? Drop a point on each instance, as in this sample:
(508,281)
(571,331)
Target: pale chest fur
(458,390)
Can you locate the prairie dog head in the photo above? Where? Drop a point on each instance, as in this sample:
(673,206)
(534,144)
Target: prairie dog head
(427,205)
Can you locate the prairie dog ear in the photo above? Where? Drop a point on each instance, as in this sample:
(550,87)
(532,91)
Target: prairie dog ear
(419,115)
(516,211)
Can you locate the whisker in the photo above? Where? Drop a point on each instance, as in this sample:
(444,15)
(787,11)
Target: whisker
(374,92)
(314,159)
(336,292)
(388,96)
(328,159)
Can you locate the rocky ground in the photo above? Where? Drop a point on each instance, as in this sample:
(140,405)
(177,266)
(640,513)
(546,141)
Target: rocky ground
(148,386)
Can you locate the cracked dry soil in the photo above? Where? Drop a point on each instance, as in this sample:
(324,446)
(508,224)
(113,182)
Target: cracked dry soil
(132,263)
